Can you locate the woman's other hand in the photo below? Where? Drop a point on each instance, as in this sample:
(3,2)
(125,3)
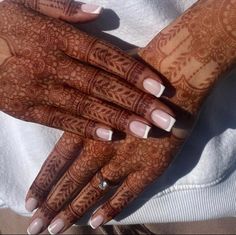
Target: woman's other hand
(53,74)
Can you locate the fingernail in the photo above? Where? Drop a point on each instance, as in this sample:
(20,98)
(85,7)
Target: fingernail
(96,221)
(56,226)
(153,87)
(31,204)
(104,133)
(163,120)
(35,227)
(91,8)
(140,129)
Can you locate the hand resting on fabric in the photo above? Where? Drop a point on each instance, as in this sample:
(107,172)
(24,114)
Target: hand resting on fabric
(70,183)
(53,74)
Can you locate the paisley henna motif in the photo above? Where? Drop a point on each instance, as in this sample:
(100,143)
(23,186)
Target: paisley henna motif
(192,69)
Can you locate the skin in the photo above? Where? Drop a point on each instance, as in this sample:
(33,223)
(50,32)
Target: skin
(192,53)
(53,74)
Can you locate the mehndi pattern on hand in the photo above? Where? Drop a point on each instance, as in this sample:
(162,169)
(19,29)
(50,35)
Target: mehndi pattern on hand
(135,163)
(48,76)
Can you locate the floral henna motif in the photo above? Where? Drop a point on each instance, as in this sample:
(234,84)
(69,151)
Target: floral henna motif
(41,81)
(192,69)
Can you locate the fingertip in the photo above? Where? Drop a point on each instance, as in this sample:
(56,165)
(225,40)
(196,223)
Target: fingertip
(104,134)
(139,129)
(91,9)
(153,87)
(96,221)
(163,120)
(31,204)
(83,13)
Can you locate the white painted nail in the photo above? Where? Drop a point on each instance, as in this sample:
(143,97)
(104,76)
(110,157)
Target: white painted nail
(154,87)
(56,226)
(31,204)
(91,8)
(163,119)
(96,221)
(104,133)
(35,227)
(139,129)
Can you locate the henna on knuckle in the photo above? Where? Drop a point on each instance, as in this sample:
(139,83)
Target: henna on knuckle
(154,154)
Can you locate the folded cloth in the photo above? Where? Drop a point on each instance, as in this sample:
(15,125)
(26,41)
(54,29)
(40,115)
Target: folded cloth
(200,184)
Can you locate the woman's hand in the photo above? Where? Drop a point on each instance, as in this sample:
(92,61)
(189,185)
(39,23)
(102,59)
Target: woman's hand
(128,166)
(56,75)
(133,164)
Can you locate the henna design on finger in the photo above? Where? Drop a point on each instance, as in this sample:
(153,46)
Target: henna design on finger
(36,76)
(167,53)
(57,163)
(192,68)
(93,156)
(145,160)
(110,88)
(53,8)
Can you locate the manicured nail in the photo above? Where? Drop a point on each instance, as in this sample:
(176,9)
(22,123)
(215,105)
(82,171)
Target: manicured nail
(104,133)
(31,204)
(56,226)
(163,120)
(91,8)
(140,129)
(96,221)
(35,227)
(153,87)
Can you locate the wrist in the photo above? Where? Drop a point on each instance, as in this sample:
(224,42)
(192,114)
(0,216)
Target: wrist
(195,50)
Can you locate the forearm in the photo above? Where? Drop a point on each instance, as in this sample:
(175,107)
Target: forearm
(194,51)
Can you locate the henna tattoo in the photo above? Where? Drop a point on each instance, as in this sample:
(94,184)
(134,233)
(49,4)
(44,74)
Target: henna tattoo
(203,40)
(192,68)
(38,74)
(55,8)
(63,154)
(101,55)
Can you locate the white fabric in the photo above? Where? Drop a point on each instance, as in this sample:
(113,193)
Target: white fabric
(200,184)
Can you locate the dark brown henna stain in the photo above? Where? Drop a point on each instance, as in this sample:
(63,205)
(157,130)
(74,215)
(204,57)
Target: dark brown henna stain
(146,160)
(39,73)
(199,38)
(63,154)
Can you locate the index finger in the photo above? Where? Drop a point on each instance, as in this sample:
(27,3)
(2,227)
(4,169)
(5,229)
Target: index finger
(101,54)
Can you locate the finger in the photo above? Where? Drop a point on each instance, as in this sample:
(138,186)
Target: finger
(54,117)
(108,87)
(113,173)
(93,156)
(87,198)
(59,160)
(93,109)
(126,193)
(68,10)
(85,48)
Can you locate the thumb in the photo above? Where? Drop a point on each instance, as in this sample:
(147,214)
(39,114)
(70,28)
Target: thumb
(68,10)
